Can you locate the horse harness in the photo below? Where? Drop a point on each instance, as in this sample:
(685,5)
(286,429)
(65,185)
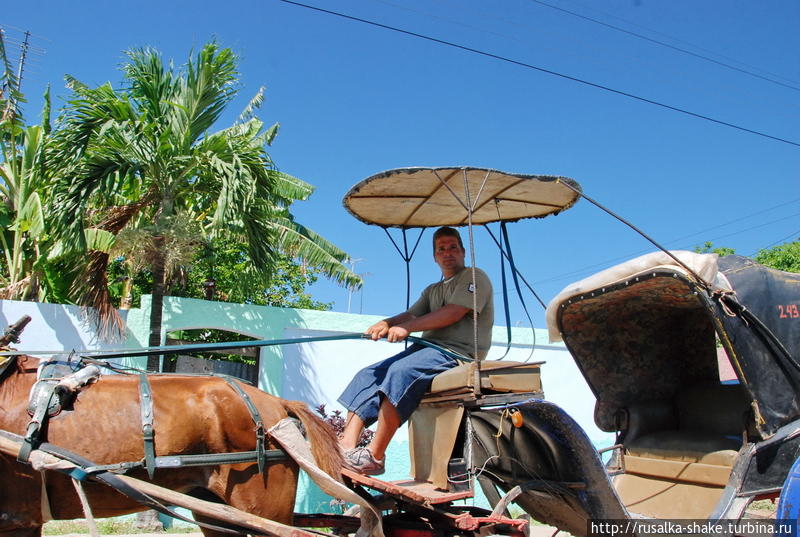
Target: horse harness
(58,384)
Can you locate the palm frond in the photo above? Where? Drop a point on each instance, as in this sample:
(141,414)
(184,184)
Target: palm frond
(92,288)
(208,87)
(254,104)
(46,124)
(315,250)
(271,133)
(290,187)
(150,84)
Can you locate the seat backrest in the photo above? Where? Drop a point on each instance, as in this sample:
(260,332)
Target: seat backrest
(713,408)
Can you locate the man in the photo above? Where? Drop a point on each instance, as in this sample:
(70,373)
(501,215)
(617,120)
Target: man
(390,390)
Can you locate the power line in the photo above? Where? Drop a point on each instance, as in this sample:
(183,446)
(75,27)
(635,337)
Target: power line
(543,70)
(698,47)
(779,241)
(586,268)
(667,45)
(755,227)
(729,222)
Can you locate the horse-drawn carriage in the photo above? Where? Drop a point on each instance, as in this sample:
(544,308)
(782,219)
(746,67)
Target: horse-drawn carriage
(651,338)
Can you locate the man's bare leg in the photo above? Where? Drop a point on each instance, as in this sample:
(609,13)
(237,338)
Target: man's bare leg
(353,426)
(388,423)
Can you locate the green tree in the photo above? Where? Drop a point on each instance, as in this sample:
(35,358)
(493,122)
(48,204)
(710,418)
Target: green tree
(708,248)
(143,159)
(221,270)
(784,257)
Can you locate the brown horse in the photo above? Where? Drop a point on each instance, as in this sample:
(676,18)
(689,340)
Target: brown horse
(192,414)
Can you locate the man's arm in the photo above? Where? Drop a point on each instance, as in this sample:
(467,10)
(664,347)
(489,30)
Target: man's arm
(381,328)
(444,316)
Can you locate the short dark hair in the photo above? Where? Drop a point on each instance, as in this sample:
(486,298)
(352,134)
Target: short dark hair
(447,232)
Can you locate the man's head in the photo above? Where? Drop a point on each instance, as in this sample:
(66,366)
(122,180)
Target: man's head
(448,250)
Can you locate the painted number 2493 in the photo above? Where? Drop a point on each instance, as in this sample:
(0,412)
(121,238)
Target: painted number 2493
(788,311)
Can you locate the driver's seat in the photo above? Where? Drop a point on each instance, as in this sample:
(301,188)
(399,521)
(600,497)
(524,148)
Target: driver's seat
(434,425)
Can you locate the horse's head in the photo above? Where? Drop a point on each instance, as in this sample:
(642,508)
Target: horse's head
(19,363)
(17,375)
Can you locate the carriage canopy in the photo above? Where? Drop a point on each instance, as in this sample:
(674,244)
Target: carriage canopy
(433,197)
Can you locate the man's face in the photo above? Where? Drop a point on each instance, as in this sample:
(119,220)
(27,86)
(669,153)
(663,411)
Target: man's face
(448,255)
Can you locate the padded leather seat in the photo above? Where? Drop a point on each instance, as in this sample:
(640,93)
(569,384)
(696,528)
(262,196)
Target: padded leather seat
(687,446)
(501,376)
(704,424)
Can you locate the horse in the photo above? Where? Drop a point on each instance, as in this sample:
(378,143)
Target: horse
(192,415)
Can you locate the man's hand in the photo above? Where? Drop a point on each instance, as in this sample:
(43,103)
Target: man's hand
(378,330)
(397,334)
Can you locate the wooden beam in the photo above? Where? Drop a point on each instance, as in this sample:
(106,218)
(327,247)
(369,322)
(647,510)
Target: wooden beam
(216,511)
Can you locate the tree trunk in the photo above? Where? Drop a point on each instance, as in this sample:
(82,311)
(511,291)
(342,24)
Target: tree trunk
(157,304)
(126,300)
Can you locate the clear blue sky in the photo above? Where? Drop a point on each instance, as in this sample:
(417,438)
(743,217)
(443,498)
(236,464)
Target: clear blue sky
(355,99)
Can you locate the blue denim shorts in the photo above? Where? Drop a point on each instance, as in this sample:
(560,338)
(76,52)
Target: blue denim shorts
(403,379)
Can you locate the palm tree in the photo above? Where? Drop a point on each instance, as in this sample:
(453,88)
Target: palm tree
(144,158)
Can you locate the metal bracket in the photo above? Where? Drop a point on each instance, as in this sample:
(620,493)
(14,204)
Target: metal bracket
(148,433)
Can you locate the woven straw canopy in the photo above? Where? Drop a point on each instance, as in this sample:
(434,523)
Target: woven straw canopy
(432,197)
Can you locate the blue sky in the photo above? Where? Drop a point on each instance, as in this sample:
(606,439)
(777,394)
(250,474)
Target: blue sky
(354,99)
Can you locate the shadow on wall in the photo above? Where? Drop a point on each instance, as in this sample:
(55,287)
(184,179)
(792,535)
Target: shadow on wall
(55,327)
(301,381)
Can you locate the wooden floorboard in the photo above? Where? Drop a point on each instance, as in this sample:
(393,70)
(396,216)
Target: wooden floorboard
(420,492)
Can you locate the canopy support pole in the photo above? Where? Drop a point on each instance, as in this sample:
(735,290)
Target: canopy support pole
(406,256)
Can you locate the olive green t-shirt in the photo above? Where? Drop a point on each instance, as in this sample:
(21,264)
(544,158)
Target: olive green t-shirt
(460,290)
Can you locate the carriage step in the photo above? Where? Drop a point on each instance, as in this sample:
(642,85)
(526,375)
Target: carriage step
(419,492)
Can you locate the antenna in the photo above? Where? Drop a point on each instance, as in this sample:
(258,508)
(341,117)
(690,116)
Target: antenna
(13,86)
(23,54)
(352,262)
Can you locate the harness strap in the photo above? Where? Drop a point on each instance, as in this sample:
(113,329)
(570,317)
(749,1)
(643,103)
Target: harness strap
(47,512)
(34,429)
(148,433)
(259,423)
(204,459)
